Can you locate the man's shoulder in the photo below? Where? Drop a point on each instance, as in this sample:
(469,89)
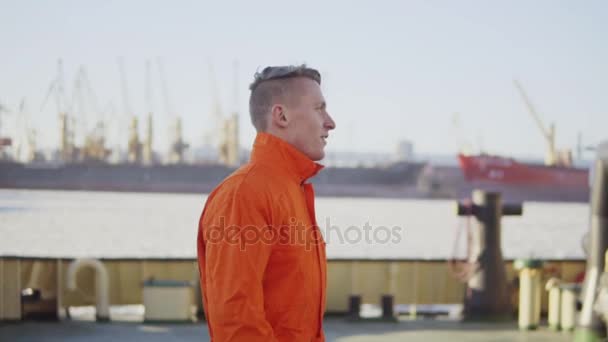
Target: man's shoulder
(249,184)
(251,179)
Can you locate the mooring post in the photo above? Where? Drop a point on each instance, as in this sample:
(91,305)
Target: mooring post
(487,294)
(387,303)
(354,307)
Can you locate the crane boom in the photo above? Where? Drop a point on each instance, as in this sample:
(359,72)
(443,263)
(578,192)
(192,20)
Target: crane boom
(164,87)
(78,103)
(52,87)
(88,90)
(125,90)
(235,84)
(148,154)
(56,88)
(216,109)
(551,157)
(532,110)
(177,144)
(148,87)
(133,145)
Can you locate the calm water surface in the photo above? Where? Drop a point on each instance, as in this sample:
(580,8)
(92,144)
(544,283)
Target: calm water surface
(138,225)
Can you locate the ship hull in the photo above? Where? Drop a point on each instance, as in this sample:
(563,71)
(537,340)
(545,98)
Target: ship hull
(522,181)
(510,172)
(396,181)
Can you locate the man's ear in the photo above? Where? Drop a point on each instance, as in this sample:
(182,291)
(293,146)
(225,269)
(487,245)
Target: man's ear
(278,116)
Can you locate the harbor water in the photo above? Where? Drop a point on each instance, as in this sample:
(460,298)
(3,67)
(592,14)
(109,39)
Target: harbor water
(137,225)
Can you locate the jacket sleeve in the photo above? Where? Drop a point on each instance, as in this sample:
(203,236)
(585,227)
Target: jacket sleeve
(236,255)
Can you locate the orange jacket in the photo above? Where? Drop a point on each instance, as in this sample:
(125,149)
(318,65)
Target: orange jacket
(261,255)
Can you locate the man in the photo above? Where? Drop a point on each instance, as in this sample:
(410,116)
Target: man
(261,255)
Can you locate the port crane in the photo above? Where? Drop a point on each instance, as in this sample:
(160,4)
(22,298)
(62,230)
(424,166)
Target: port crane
(148,152)
(231,126)
(216,112)
(177,143)
(93,144)
(25,144)
(67,150)
(553,157)
(134,146)
(228,128)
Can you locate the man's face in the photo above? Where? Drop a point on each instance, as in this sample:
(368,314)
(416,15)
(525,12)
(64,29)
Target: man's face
(309,122)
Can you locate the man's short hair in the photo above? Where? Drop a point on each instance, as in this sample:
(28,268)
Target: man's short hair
(274,83)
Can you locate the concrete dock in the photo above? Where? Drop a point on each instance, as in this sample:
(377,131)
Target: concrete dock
(336,329)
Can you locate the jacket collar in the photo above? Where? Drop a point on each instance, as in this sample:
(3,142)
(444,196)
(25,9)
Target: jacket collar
(279,153)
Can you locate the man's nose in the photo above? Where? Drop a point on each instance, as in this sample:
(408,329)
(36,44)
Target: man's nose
(329,122)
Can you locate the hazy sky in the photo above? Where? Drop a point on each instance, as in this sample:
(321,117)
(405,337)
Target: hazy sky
(392,70)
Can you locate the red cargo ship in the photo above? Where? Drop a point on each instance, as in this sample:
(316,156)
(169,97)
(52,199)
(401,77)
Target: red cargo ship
(507,171)
(557,179)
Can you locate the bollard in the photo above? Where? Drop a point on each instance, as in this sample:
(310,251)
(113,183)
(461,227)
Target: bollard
(529,292)
(590,327)
(569,294)
(388,312)
(487,294)
(553,310)
(354,307)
